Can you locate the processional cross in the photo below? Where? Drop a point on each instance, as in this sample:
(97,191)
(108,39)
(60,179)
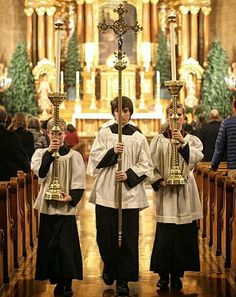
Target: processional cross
(120,27)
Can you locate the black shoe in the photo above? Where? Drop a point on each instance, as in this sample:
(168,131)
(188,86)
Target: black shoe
(122,288)
(68,292)
(59,290)
(107,279)
(176,283)
(163,283)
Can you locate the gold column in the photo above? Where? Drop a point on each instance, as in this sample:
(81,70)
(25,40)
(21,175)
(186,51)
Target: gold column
(50,32)
(29,31)
(89,21)
(146,21)
(89,38)
(146,35)
(206,29)
(80,21)
(41,33)
(185,32)
(194,31)
(154,21)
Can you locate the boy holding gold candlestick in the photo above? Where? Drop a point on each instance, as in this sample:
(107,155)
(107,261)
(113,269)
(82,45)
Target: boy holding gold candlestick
(59,255)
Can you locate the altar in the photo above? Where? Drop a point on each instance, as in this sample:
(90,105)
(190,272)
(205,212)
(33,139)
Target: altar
(89,123)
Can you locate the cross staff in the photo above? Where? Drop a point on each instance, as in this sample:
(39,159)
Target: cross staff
(120,27)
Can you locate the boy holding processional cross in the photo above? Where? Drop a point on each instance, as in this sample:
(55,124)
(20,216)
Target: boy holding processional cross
(120,263)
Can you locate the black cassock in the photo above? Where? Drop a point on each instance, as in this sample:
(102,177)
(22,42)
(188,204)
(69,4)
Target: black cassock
(58,254)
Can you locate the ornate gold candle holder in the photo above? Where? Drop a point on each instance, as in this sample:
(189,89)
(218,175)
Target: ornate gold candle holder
(54,191)
(175,177)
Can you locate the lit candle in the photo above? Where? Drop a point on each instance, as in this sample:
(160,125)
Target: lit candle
(93,77)
(62,78)
(142,77)
(77,77)
(158,77)
(172,18)
(58,26)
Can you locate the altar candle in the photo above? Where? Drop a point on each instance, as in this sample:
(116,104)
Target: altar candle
(172,18)
(62,78)
(142,77)
(158,77)
(58,27)
(77,77)
(93,77)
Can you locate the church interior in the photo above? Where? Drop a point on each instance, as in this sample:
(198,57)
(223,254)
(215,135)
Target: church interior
(87,108)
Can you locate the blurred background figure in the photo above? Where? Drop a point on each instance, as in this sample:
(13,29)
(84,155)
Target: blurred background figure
(19,127)
(71,138)
(39,137)
(12,155)
(208,134)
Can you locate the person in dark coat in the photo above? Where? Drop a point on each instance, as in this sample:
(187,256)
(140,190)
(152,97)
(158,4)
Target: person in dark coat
(19,127)
(208,135)
(58,255)
(12,155)
(226,144)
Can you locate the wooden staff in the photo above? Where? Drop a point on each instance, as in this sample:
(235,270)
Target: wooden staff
(120,27)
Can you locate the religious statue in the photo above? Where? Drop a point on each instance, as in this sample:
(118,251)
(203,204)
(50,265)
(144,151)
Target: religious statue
(44,103)
(191,100)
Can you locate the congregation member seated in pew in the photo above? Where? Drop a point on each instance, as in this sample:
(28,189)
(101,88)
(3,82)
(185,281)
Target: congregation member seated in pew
(18,126)
(178,207)
(58,254)
(12,155)
(226,144)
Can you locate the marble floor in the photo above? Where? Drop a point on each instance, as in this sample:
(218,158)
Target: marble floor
(212,281)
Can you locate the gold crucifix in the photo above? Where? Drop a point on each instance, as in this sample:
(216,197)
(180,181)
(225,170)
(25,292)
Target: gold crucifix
(120,27)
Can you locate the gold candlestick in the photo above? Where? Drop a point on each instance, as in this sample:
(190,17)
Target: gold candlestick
(174,87)
(54,191)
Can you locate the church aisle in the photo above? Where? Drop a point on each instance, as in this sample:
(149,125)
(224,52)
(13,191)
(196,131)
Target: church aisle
(211,282)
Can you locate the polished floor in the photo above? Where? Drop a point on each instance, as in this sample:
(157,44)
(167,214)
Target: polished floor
(212,281)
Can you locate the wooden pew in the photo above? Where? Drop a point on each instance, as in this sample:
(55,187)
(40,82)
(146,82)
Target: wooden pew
(217,212)
(35,212)
(25,209)
(29,199)
(211,200)
(204,197)
(7,225)
(232,229)
(227,216)
(2,239)
(18,217)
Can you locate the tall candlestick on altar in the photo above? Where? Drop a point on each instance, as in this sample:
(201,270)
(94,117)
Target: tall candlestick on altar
(62,82)
(172,17)
(158,77)
(77,77)
(59,25)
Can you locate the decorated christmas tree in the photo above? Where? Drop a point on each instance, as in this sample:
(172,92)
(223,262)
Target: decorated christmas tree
(215,93)
(20,96)
(163,63)
(72,63)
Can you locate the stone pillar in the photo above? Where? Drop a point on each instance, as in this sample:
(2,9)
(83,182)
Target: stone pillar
(80,21)
(41,33)
(29,31)
(206,30)
(185,32)
(50,33)
(194,31)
